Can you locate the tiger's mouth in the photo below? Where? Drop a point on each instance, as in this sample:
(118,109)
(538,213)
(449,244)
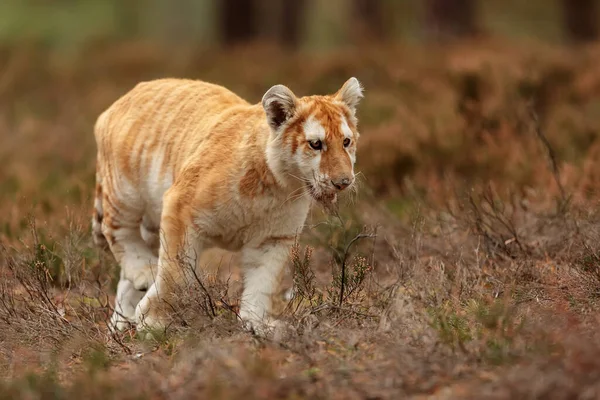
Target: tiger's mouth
(326,198)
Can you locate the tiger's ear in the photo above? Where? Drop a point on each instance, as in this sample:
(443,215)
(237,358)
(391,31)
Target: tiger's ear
(350,94)
(280,105)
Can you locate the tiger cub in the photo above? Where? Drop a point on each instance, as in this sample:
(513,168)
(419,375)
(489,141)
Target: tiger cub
(186,165)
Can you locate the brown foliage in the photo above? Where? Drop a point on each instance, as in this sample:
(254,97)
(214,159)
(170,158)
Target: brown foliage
(479,170)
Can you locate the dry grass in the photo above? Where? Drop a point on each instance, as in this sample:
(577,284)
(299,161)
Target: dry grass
(467,266)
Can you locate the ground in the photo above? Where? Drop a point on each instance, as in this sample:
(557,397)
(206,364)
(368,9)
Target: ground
(467,266)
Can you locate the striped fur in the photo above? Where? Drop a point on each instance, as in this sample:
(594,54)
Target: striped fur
(191,165)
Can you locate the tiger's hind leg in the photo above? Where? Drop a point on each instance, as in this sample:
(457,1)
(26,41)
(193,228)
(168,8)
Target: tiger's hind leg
(121,227)
(138,264)
(127,296)
(125,302)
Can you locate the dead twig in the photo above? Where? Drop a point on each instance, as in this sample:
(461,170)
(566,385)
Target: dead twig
(345,259)
(551,155)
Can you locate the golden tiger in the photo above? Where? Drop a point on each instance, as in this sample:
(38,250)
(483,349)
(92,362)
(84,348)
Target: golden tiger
(186,165)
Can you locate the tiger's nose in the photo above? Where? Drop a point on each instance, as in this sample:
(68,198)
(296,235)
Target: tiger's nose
(341,183)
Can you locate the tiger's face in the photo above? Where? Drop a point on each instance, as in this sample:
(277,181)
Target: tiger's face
(313,141)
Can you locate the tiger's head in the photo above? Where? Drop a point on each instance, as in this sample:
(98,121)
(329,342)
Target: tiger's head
(313,139)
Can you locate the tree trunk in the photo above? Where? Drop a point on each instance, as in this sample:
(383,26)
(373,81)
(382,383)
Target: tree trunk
(580,19)
(292,21)
(238,21)
(451,18)
(370,17)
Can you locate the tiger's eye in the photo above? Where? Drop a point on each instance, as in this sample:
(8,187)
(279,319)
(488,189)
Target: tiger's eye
(347,142)
(316,144)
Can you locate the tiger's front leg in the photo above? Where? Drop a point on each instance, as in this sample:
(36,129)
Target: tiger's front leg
(155,310)
(263,266)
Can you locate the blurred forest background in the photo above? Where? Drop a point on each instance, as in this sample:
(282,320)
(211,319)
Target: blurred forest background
(472,250)
(312,24)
